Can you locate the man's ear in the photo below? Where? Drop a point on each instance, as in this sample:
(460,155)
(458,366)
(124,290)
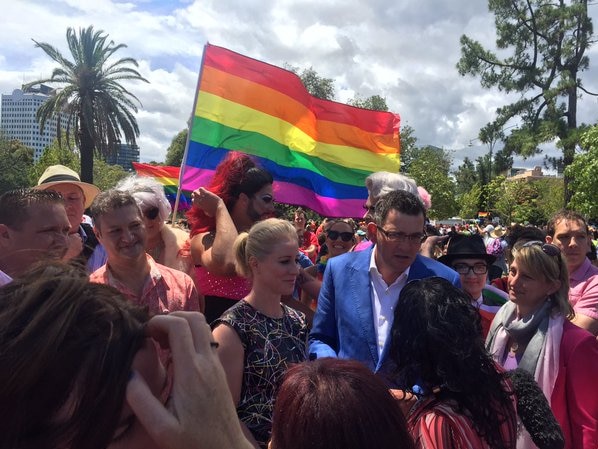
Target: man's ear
(5,237)
(372,232)
(548,239)
(243,198)
(97,232)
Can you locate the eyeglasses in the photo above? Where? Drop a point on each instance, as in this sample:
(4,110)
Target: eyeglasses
(401,236)
(463,268)
(151,213)
(369,208)
(345,236)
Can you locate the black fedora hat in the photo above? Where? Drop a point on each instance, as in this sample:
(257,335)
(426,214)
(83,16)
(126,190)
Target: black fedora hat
(466,247)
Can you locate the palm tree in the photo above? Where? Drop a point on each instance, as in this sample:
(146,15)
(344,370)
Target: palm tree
(98,110)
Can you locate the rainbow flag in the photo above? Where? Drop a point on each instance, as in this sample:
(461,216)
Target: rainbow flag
(169,178)
(319,152)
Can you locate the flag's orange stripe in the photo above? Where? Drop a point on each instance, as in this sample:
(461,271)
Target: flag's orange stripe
(279,105)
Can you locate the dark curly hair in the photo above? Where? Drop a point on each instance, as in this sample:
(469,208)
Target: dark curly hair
(436,342)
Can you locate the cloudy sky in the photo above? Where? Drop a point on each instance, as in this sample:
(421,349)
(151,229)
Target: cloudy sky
(405,51)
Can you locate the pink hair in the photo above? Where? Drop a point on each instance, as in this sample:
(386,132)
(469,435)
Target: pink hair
(425,197)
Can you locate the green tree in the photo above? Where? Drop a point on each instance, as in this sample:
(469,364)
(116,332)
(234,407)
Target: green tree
(15,160)
(408,144)
(315,84)
(374,103)
(584,171)
(548,42)
(98,108)
(469,201)
(430,167)
(105,175)
(466,177)
(54,154)
(503,162)
(550,196)
(176,150)
(521,201)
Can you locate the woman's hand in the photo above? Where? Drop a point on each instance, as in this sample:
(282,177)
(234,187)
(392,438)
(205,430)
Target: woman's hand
(202,414)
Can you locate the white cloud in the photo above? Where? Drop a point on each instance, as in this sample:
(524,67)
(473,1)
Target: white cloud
(404,51)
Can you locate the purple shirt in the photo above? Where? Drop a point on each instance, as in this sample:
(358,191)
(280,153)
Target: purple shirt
(583,289)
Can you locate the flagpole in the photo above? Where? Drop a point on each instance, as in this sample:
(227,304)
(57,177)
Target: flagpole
(190,128)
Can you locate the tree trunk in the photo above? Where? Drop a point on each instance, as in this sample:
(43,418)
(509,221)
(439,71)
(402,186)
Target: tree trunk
(569,147)
(86,150)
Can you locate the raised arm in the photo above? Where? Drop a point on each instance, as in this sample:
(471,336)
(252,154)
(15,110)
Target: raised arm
(213,249)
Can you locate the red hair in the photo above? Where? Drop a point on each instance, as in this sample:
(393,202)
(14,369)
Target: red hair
(332,403)
(236,174)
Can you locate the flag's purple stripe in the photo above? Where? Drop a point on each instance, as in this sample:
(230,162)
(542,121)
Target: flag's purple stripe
(208,157)
(289,193)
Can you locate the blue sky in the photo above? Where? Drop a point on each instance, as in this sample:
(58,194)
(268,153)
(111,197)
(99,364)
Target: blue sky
(404,51)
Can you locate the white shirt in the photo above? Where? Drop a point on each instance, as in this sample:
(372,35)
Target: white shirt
(384,301)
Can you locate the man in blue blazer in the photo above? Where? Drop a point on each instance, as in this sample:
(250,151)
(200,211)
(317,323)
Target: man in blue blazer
(360,289)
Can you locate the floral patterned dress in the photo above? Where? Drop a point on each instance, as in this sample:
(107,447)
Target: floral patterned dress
(270,346)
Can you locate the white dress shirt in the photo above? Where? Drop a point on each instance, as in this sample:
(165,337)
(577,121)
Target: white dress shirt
(384,300)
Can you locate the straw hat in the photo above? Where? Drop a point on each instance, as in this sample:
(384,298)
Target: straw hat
(59,174)
(498,232)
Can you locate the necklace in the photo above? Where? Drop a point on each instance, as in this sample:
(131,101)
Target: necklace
(156,251)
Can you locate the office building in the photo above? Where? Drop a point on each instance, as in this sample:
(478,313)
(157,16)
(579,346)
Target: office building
(17,118)
(123,155)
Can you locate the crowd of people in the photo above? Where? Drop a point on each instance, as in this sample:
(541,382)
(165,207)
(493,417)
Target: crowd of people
(121,330)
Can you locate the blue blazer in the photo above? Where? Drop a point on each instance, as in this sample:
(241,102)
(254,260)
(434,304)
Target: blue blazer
(344,322)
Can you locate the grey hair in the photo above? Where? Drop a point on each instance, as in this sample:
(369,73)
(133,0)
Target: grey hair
(383,182)
(147,193)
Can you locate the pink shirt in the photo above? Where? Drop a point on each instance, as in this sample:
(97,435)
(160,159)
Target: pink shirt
(583,289)
(232,287)
(165,289)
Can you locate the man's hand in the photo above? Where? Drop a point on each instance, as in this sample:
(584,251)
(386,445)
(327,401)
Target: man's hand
(429,245)
(74,246)
(202,414)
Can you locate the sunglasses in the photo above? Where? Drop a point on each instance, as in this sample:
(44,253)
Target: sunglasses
(345,236)
(151,213)
(547,248)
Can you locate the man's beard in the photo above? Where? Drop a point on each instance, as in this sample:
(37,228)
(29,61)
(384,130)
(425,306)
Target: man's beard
(253,215)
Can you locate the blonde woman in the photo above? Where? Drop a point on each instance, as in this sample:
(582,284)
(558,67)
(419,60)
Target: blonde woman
(532,331)
(259,337)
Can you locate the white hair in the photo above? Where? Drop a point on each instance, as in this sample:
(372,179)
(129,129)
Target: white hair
(147,193)
(383,182)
